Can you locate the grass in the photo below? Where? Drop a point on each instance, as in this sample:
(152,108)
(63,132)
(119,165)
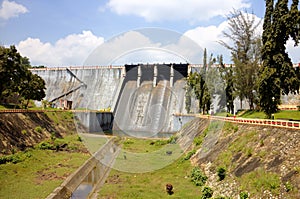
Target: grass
(142,155)
(38,174)
(147,169)
(152,184)
(285,114)
(241,144)
(259,180)
(92,142)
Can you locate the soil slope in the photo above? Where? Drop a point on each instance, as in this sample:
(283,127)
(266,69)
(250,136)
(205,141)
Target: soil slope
(19,131)
(263,162)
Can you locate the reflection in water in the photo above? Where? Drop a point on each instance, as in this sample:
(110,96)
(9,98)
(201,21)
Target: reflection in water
(82,191)
(97,168)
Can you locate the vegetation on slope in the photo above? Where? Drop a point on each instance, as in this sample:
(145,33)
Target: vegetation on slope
(51,151)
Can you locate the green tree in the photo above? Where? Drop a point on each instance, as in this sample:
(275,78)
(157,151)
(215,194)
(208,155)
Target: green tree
(198,85)
(245,53)
(15,78)
(277,75)
(11,71)
(228,78)
(33,88)
(188,96)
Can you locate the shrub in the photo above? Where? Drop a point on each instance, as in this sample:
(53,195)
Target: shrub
(199,139)
(161,142)
(46,146)
(288,186)
(198,178)
(10,158)
(38,129)
(79,139)
(207,192)
(190,154)
(172,139)
(128,141)
(249,152)
(221,173)
(24,132)
(244,195)
(53,137)
(222,197)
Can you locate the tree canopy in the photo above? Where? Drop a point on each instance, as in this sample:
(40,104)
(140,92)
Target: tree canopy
(245,53)
(277,75)
(16,80)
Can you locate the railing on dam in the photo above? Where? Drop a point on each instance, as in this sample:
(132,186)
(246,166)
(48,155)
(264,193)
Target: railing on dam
(295,65)
(77,68)
(42,111)
(263,122)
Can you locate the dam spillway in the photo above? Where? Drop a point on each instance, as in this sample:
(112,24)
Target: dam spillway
(142,97)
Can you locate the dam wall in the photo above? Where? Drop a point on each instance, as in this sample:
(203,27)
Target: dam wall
(92,89)
(142,97)
(149,98)
(96,122)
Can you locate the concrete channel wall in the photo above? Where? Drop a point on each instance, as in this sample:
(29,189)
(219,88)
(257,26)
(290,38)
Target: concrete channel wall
(103,160)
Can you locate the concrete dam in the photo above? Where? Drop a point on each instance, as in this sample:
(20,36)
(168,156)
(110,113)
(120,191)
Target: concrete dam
(141,98)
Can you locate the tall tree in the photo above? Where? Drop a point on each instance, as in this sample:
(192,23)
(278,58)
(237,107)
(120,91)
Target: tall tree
(188,95)
(204,62)
(245,52)
(198,85)
(277,75)
(12,71)
(228,78)
(33,88)
(15,78)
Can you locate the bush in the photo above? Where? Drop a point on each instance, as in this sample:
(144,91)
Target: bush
(198,140)
(38,129)
(172,139)
(244,195)
(53,137)
(288,186)
(221,173)
(10,158)
(46,146)
(207,192)
(190,154)
(198,178)
(222,197)
(79,139)
(24,132)
(128,141)
(161,142)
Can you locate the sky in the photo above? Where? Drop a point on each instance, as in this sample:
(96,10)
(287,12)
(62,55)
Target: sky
(57,33)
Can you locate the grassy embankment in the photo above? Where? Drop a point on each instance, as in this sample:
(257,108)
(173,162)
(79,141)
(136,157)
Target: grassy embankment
(126,183)
(130,182)
(286,115)
(37,171)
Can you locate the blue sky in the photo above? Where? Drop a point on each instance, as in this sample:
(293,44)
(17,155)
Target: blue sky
(65,32)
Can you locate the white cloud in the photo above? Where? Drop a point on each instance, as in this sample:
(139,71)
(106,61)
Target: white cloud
(171,10)
(71,50)
(208,37)
(114,49)
(10,9)
(294,51)
(150,45)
